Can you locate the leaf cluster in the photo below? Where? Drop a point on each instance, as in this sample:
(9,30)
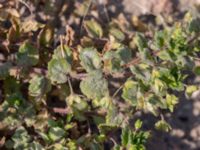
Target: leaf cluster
(60,92)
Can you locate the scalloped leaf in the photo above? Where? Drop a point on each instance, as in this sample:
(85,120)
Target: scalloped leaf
(94,86)
(78,105)
(114,117)
(63,51)
(111,61)
(20,139)
(46,35)
(160,38)
(27,55)
(162,125)
(142,45)
(77,102)
(90,59)
(39,85)
(141,71)
(124,54)
(171,101)
(140,42)
(114,60)
(58,70)
(117,33)
(130,92)
(56,133)
(94,29)
(138,124)
(125,136)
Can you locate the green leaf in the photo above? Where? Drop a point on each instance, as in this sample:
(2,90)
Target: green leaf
(165,55)
(142,45)
(35,146)
(194,25)
(72,145)
(116,147)
(152,103)
(178,40)
(197,70)
(124,54)
(83,8)
(173,78)
(63,51)
(160,38)
(56,133)
(94,86)
(141,71)
(106,102)
(130,92)
(140,42)
(45,37)
(4,70)
(125,136)
(58,146)
(162,125)
(190,89)
(138,124)
(171,101)
(58,70)
(112,62)
(138,139)
(185,62)
(134,140)
(105,128)
(90,59)
(15,100)
(39,85)
(98,120)
(21,138)
(52,123)
(77,102)
(9,144)
(117,33)
(159,86)
(78,105)
(44,137)
(114,117)
(94,29)
(10,86)
(27,55)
